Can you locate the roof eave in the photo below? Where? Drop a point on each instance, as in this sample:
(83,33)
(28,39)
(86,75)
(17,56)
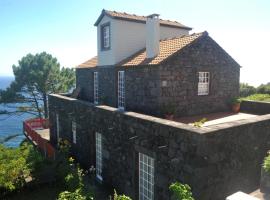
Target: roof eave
(103,13)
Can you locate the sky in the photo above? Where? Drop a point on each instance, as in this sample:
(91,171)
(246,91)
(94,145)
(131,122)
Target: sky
(65,29)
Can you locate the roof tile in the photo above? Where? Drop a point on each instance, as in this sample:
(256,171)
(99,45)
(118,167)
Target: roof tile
(167,48)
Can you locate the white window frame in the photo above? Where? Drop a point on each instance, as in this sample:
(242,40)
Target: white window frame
(99,156)
(121,90)
(57,127)
(95,87)
(146,177)
(106,36)
(203,83)
(74,131)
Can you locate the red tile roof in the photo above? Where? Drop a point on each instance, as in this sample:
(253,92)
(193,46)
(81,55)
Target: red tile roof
(167,48)
(137,18)
(89,63)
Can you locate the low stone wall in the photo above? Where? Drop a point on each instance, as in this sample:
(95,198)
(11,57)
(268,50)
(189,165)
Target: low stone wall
(215,161)
(255,107)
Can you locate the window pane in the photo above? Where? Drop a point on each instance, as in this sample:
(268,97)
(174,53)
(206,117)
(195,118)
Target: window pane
(146,177)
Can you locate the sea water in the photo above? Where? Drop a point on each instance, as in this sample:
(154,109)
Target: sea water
(11,125)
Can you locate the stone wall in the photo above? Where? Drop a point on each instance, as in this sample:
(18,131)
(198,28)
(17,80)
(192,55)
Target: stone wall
(255,107)
(181,73)
(85,80)
(149,89)
(215,161)
(143,89)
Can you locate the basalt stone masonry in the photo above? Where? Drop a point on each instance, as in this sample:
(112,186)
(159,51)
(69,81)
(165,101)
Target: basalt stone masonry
(215,161)
(151,88)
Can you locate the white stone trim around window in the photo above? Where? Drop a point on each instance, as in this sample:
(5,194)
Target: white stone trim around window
(203,84)
(74,132)
(121,90)
(95,87)
(146,177)
(99,156)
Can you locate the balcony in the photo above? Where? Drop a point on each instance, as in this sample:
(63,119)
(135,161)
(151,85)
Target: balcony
(37,131)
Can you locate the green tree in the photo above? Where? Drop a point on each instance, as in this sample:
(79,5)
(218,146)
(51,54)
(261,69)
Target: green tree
(246,90)
(36,76)
(264,88)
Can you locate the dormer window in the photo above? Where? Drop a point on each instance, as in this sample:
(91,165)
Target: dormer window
(105,37)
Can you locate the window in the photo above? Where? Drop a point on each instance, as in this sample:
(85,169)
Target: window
(99,156)
(146,177)
(105,36)
(121,90)
(73,127)
(57,127)
(203,85)
(96,87)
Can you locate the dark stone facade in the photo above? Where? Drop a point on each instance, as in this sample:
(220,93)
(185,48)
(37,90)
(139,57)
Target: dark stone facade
(146,93)
(215,161)
(255,107)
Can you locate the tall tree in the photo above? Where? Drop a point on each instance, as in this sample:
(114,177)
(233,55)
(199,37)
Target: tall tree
(37,76)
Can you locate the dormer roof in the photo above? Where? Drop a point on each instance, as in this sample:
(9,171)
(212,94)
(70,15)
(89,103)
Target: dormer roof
(138,19)
(168,48)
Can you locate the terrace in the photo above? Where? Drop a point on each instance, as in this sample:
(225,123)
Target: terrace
(37,131)
(216,118)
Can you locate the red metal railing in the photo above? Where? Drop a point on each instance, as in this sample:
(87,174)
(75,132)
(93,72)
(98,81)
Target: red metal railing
(30,126)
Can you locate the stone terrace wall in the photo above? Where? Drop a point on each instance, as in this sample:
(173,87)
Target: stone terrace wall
(255,107)
(215,161)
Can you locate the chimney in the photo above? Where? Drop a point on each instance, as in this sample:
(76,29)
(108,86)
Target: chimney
(152,36)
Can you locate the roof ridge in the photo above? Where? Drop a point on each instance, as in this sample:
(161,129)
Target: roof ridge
(183,36)
(138,18)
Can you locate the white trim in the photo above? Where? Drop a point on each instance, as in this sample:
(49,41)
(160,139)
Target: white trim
(146,177)
(106,36)
(203,83)
(74,131)
(95,87)
(121,90)
(99,156)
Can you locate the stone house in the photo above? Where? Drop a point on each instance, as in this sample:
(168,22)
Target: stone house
(151,64)
(145,67)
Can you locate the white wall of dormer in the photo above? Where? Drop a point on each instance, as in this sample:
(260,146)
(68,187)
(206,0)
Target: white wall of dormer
(127,38)
(105,57)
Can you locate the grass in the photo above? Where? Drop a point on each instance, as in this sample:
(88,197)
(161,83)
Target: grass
(258,97)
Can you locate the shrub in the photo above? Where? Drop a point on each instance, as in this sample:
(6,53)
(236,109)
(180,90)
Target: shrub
(16,164)
(200,123)
(180,191)
(264,89)
(120,197)
(266,163)
(71,176)
(76,195)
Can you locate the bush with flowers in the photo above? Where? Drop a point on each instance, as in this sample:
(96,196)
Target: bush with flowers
(70,175)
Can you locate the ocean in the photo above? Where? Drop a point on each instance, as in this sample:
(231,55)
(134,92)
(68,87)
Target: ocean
(11,126)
